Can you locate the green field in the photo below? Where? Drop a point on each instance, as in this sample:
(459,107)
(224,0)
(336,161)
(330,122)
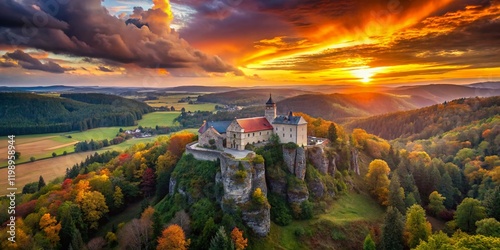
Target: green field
(42,146)
(173,100)
(345,220)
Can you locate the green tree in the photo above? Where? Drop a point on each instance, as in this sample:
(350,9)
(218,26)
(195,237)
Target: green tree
(392,230)
(436,203)
(378,181)
(32,158)
(118,197)
(332,133)
(416,227)
(438,241)
(54,154)
(220,241)
(41,183)
(396,194)
(468,212)
(369,244)
(492,203)
(488,227)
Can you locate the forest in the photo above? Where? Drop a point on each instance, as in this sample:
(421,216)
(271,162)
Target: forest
(26,113)
(441,192)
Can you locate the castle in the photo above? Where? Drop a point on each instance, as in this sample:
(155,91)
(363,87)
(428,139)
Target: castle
(238,133)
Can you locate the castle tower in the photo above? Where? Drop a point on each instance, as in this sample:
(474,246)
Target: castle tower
(270,109)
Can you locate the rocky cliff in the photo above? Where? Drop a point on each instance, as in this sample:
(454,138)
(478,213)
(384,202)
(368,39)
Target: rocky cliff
(240,179)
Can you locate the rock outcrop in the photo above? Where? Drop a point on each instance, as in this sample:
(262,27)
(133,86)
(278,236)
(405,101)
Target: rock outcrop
(354,160)
(295,161)
(319,159)
(239,180)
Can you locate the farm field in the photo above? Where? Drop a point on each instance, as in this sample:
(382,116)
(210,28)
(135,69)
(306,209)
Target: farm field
(49,168)
(52,168)
(173,100)
(43,145)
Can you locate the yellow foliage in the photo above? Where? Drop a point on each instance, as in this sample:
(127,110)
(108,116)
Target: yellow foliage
(422,157)
(51,228)
(378,180)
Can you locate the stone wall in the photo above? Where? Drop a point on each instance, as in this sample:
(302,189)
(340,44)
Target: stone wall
(202,153)
(211,134)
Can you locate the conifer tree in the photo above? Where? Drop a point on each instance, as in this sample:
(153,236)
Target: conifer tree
(392,230)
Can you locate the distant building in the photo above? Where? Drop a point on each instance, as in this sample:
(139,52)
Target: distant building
(238,133)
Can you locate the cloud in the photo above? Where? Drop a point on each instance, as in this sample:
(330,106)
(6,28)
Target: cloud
(465,38)
(26,61)
(104,69)
(86,29)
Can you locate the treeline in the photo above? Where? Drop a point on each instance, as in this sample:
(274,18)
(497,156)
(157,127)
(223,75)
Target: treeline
(67,214)
(26,113)
(454,176)
(427,122)
(195,119)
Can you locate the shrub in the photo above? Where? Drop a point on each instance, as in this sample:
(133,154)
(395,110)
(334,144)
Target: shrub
(32,158)
(258,159)
(281,213)
(290,145)
(307,210)
(240,175)
(258,197)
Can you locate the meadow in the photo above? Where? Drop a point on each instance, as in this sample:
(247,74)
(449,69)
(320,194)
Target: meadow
(341,224)
(173,100)
(42,146)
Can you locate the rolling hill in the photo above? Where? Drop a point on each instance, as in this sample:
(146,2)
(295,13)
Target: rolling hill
(345,107)
(429,121)
(447,92)
(248,97)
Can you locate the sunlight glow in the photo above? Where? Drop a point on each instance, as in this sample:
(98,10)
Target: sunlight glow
(365,74)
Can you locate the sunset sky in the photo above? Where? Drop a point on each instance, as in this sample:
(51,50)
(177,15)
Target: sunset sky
(159,43)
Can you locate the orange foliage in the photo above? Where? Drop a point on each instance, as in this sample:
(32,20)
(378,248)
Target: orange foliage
(178,142)
(240,243)
(172,238)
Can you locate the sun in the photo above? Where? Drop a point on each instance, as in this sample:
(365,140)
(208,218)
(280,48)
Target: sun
(365,74)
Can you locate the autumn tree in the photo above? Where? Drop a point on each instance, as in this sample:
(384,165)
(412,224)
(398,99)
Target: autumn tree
(93,205)
(378,181)
(72,227)
(172,238)
(148,182)
(436,201)
(392,230)
(23,239)
(51,228)
(239,241)
(416,227)
(468,212)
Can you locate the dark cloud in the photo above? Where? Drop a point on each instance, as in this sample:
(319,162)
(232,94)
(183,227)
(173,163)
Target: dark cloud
(90,31)
(28,62)
(104,69)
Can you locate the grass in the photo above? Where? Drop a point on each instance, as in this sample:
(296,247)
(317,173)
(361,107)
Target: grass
(351,207)
(159,118)
(42,146)
(173,100)
(343,226)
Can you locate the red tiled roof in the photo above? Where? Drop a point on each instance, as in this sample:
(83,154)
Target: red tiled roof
(254,124)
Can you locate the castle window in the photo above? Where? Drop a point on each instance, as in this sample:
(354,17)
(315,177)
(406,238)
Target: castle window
(283,129)
(290,129)
(234,135)
(276,128)
(253,134)
(283,135)
(290,135)
(260,133)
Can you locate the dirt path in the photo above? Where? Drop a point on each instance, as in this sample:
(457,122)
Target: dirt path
(48,168)
(62,146)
